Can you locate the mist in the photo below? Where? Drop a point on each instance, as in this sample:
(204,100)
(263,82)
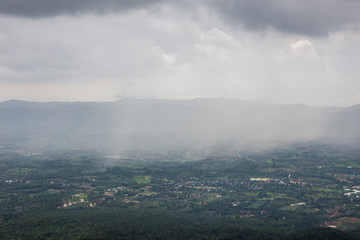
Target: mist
(233,119)
(148,126)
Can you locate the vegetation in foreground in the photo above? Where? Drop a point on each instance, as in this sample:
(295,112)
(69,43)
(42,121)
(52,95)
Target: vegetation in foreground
(298,192)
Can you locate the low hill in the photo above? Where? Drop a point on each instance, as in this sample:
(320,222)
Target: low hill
(131,121)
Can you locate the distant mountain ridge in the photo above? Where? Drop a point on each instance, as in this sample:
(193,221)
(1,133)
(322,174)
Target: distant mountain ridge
(179,119)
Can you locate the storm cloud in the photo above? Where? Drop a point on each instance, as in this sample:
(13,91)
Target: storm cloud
(45,8)
(278,51)
(315,18)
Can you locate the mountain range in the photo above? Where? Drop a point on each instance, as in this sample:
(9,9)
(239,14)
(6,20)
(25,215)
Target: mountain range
(175,121)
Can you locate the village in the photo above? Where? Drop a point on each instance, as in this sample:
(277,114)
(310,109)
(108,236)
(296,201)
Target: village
(269,186)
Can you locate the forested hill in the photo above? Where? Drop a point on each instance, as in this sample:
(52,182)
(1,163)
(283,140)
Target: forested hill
(180,119)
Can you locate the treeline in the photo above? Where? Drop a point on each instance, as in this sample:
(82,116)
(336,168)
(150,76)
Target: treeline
(148,224)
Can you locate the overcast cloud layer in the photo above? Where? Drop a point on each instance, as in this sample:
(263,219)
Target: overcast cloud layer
(273,50)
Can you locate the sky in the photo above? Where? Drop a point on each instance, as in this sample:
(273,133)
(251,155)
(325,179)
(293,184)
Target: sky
(281,51)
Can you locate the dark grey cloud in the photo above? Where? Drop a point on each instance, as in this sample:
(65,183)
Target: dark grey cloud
(180,49)
(315,18)
(47,8)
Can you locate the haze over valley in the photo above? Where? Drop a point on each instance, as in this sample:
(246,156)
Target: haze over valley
(159,125)
(164,119)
